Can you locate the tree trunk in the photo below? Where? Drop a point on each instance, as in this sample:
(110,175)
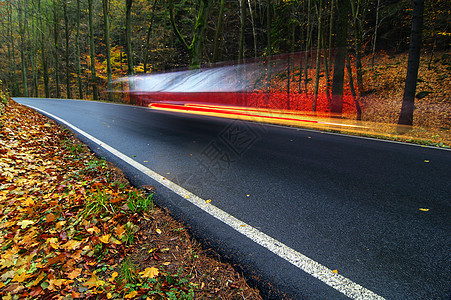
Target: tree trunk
(406,116)
(268,28)
(95,94)
(242,30)
(149,33)
(354,94)
(254,34)
(340,57)
(318,55)
(77,44)
(218,31)
(195,49)
(106,21)
(23,48)
(66,30)
(56,44)
(128,37)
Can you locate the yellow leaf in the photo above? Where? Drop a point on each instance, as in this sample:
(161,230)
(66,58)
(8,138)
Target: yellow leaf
(167,263)
(21,277)
(208,201)
(1,284)
(131,295)
(152,250)
(158,231)
(426,161)
(150,273)
(29,202)
(113,276)
(55,283)
(424,209)
(38,279)
(24,223)
(105,238)
(53,242)
(94,281)
(74,274)
(72,245)
(335,271)
(186,196)
(109,295)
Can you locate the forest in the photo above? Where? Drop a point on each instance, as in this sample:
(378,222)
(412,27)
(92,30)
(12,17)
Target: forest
(80,48)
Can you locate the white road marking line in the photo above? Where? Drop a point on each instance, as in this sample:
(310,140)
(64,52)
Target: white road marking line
(338,282)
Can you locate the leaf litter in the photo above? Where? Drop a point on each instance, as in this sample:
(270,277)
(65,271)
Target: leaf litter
(71,226)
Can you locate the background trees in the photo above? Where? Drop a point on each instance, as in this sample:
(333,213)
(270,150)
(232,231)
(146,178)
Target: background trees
(77,48)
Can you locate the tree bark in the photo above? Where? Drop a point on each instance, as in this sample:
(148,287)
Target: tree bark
(148,35)
(23,48)
(242,30)
(95,94)
(195,48)
(106,24)
(218,31)
(318,55)
(340,57)
(406,115)
(66,30)
(77,44)
(56,44)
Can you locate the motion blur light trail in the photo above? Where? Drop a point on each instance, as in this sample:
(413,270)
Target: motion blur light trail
(276,90)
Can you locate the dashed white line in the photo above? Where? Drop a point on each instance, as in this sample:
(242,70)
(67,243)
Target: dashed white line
(338,282)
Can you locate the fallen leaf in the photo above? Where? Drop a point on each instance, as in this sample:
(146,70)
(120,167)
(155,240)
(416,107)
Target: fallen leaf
(94,281)
(158,231)
(74,274)
(50,218)
(21,277)
(25,223)
(131,295)
(335,271)
(149,273)
(113,276)
(208,201)
(105,238)
(424,209)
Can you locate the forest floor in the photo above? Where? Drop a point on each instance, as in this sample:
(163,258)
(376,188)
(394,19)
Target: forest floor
(72,226)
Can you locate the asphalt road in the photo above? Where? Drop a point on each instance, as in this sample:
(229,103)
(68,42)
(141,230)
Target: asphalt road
(377,213)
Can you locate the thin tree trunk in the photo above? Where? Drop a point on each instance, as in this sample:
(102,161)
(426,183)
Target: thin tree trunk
(148,35)
(13,52)
(375,32)
(406,115)
(106,21)
(218,31)
(22,48)
(77,44)
(66,30)
(318,55)
(254,34)
(354,94)
(307,47)
(45,69)
(268,28)
(340,57)
(242,30)
(95,94)
(56,44)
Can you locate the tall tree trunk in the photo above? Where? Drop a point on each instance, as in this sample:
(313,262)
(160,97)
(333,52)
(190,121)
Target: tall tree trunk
(351,86)
(95,94)
(195,48)
(23,47)
(13,52)
(307,47)
(340,57)
(318,55)
(45,69)
(128,36)
(242,30)
(254,33)
(406,115)
(268,28)
(56,44)
(66,31)
(77,50)
(375,32)
(106,21)
(148,35)
(218,31)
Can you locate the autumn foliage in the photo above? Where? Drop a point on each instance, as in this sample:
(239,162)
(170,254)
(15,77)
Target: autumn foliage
(72,227)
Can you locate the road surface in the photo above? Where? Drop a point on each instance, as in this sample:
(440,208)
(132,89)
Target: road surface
(304,214)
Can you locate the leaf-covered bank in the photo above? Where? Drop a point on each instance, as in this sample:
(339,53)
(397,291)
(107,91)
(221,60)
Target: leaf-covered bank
(71,226)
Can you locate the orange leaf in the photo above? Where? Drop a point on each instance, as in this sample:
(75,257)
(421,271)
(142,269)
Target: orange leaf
(74,274)
(131,295)
(105,238)
(50,218)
